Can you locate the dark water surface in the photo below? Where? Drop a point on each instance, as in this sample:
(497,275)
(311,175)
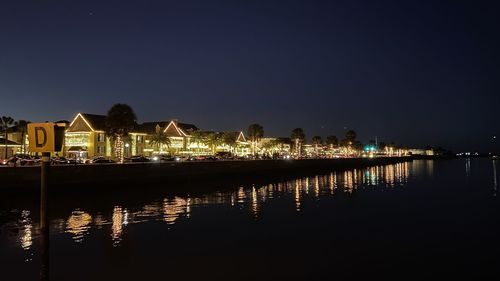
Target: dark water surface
(420,219)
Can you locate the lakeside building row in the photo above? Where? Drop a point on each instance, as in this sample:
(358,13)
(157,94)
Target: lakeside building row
(86,138)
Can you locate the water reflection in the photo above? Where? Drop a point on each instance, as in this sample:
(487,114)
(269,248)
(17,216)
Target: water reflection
(174,210)
(297,195)
(118,223)
(78,225)
(422,168)
(26,235)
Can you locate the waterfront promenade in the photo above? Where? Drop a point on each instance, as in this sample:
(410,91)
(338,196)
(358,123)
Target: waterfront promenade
(67,176)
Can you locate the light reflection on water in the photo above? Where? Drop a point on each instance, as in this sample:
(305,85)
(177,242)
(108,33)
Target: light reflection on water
(117,226)
(173,210)
(78,225)
(26,235)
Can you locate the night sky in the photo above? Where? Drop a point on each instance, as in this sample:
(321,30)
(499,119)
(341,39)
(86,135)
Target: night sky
(416,73)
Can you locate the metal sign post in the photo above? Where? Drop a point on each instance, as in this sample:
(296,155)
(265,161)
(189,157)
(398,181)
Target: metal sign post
(44,216)
(45,138)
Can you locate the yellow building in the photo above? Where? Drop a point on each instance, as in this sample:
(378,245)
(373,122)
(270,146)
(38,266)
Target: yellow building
(178,134)
(86,138)
(11,147)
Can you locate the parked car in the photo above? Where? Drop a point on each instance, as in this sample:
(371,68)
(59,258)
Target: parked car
(36,159)
(163,158)
(25,159)
(11,161)
(138,158)
(181,158)
(102,160)
(224,155)
(59,160)
(19,160)
(93,159)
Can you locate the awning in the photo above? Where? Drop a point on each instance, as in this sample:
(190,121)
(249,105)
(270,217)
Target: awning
(77,148)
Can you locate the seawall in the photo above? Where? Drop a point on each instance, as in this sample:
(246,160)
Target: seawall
(65,176)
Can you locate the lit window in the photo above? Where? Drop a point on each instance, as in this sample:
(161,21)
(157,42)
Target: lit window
(100,137)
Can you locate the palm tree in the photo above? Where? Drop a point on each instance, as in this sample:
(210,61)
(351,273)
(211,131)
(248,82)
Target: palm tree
(214,139)
(5,123)
(350,137)
(332,141)
(255,133)
(159,139)
(198,137)
(209,138)
(22,127)
(271,145)
(350,142)
(230,139)
(119,121)
(316,140)
(298,137)
(281,142)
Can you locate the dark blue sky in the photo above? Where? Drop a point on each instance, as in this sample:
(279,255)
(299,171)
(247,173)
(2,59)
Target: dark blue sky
(413,72)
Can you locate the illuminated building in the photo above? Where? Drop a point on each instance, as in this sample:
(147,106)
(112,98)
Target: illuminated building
(270,146)
(86,138)
(178,134)
(12,147)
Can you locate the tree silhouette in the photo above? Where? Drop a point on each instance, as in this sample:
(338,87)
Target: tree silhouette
(5,123)
(298,137)
(255,133)
(120,120)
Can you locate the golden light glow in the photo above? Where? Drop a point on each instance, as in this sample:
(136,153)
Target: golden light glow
(241,195)
(297,195)
(241,135)
(78,224)
(117,225)
(172,209)
(181,132)
(84,120)
(26,235)
(316,186)
(255,203)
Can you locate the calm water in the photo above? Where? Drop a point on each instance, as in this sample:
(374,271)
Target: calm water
(412,220)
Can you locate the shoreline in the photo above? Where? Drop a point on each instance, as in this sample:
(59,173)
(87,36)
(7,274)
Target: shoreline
(103,175)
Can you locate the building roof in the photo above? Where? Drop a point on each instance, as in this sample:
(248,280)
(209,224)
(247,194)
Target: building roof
(150,127)
(9,142)
(187,127)
(97,122)
(239,136)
